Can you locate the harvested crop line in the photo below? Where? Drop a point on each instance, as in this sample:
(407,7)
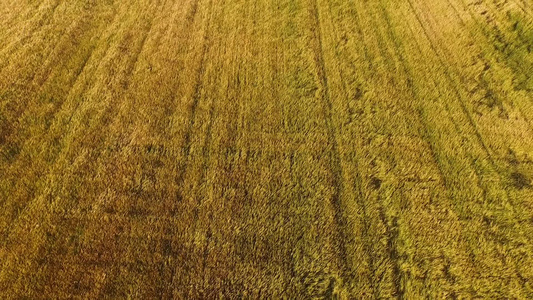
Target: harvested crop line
(300,149)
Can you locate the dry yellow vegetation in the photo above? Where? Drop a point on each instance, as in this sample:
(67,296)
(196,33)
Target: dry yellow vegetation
(200,149)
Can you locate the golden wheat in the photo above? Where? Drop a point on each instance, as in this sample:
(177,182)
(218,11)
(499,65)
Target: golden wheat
(199,149)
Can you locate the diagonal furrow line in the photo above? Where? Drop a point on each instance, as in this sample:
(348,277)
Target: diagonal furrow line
(485,60)
(424,121)
(447,108)
(130,69)
(455,89)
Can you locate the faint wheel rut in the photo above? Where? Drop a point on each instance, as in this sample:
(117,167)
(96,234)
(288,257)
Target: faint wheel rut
(336,167)
(196,95)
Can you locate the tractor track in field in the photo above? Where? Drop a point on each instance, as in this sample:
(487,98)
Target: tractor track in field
(392,231)
(181,153)
(453,85)
(196,95)
(336,167)
(128,72)
(461,100)
(483,187)
(373,261)
(390,224)
(487,195)
(457,92)
(73,81)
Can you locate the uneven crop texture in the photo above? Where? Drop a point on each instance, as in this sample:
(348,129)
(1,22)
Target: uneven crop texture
(298,149)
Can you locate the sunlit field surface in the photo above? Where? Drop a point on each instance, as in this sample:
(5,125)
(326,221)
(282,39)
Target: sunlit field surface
(266,149)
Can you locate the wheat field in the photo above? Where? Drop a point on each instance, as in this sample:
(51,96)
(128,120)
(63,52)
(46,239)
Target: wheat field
(266,149)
